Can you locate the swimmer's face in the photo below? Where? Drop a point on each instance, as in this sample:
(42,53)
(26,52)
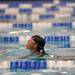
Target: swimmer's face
(31,44)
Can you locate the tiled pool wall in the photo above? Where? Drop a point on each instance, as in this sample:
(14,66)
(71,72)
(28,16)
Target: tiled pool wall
(54,18)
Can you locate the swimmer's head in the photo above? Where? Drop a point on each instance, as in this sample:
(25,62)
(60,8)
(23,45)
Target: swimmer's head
(36,43)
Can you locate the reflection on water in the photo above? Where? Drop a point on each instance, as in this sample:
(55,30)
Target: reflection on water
(55,67)
(38,72)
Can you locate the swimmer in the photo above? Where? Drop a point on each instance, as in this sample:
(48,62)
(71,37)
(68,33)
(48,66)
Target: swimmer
(36,46)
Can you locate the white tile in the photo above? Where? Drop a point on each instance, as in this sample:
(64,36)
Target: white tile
(51,64)
(63,8)
(73,25)
(72,38)
(12,11)
(35,26)
(25,6)
(24,17)
(22,39)
(70,4)
(49,25)
(44,25)
(56,1)
(47,5)
(3,25)
(18,17)
(34,17)
(72,41)
(39,10)
(41,25)
(10,25)
(62,15)
(36,74)
(4,65)
(3,6)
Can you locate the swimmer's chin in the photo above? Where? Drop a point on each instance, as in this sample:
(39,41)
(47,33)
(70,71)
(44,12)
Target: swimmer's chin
(27,47)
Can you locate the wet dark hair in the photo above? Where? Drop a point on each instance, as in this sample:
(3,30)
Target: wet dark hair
(40,42)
